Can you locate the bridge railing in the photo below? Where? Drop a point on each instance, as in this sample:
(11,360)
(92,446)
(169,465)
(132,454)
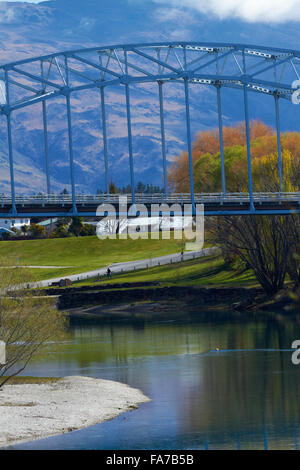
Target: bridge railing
(158,198)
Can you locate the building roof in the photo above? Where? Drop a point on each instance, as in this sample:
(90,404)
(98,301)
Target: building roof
(47,222)
(4,229)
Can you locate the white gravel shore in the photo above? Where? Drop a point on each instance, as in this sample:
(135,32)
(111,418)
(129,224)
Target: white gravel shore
(35,411)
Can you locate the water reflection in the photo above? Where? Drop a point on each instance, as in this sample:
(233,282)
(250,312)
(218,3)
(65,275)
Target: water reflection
(243,396)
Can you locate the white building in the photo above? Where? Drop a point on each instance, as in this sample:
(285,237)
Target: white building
(17,223)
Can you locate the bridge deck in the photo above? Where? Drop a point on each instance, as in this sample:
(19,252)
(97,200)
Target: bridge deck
(86,205)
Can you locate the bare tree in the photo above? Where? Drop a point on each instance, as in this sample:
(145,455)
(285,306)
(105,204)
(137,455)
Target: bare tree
(111,226)
(27,323)
(261,242)
(294,258)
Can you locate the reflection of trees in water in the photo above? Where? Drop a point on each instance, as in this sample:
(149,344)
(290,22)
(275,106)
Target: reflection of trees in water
(217,393)
(245,392)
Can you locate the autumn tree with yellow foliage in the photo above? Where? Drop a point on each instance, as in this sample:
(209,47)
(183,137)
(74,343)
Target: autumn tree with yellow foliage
(270,245)
(207,161)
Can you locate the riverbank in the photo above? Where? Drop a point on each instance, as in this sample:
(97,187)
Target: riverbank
(129,298)
(150,301)
(39,410)
(195,285)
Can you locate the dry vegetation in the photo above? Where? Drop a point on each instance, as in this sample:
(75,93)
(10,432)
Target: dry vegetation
(27,323)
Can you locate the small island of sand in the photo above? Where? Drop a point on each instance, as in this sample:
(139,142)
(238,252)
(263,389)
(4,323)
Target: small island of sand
(38,410)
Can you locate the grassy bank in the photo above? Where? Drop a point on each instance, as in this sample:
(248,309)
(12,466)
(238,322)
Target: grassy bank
(210,271)
(76,255)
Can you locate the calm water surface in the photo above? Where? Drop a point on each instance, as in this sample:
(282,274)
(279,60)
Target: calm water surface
(244,396)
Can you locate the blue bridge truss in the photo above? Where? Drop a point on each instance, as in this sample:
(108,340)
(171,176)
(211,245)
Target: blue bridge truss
(263,70)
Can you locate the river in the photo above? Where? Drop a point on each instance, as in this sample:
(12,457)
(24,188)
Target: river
(244,395)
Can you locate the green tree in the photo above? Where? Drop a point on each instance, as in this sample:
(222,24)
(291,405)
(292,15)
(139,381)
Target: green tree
(62,231)
(88,230)
(208,173)
(140,187)
(113,188)
(37,231)
(76,226)
(24,229)
(63,221)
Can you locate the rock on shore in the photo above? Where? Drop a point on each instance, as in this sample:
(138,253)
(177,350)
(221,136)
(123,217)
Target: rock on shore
(36,411)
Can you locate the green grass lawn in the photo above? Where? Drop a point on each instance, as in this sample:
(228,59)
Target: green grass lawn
(88,253)
(210,271)
(82,253)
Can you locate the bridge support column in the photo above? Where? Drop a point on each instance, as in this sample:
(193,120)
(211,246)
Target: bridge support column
(163,137)
(70,138)
(220,119)
(252,208)
(71,155)
(45,127)
(10,149)
(11,165)
(104,133)
(130,144)
(278,141)
(46,145)
(189,143)
(246,109)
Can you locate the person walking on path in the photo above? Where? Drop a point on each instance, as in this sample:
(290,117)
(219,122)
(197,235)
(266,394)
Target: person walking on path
(108,273)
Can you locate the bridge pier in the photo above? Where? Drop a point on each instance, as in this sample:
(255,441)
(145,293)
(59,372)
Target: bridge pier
(70,137)
(189,141)
(278,141)
(246,110)
(220,120)
(163,137)
(128,112)
(10,147)
(104,133)
(45,127)
(44,105)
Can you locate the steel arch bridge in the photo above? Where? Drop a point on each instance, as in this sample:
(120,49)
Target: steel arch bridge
(256,69)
